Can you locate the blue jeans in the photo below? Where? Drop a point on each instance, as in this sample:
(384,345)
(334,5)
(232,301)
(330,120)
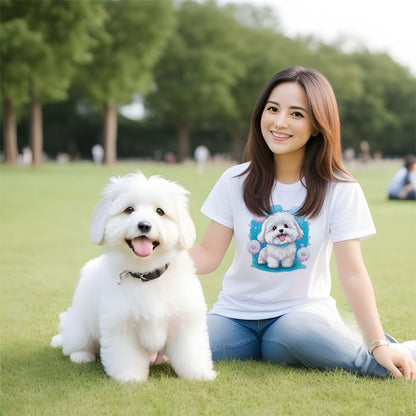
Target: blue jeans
(297,339)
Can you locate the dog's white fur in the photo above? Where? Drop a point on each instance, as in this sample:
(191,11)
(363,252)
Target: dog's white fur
(279,231)
(126,319)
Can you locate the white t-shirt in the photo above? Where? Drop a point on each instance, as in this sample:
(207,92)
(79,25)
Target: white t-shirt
(281,262)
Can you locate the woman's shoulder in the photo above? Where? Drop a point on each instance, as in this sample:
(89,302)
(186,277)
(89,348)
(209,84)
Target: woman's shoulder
(344,192)
(236,171)
(344,184)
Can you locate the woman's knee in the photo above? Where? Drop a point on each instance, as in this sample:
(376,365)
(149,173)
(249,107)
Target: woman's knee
(315,341)
(279,339)
(293,328)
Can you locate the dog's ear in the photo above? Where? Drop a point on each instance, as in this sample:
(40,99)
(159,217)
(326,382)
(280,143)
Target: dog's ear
(98,221)
(186,225)
(188,232)
(296,226)
(100,214)
(261,237)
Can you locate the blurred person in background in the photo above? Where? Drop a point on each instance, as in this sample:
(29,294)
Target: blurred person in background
(201,156)
(403,184)
(97,154)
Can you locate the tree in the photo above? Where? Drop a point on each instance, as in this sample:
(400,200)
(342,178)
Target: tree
(44,42)
(16,41)
(195,74)
(385,116)
(124,57)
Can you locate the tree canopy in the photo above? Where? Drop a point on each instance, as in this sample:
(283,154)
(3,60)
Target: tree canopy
(197,65)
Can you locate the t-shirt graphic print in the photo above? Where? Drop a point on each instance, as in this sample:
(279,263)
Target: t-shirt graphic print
(279,241)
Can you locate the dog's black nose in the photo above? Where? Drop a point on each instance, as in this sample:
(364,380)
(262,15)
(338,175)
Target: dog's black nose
(144,226)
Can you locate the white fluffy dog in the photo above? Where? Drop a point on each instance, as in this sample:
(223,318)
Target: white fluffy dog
(279,231)
(141,296)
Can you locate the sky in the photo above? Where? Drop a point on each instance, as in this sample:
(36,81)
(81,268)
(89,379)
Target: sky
(380,25)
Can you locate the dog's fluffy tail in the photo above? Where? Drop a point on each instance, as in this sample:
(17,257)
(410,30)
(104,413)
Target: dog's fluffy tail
(57,341)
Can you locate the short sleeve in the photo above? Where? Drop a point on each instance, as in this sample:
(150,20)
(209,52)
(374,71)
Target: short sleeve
(350,215)
(218,206)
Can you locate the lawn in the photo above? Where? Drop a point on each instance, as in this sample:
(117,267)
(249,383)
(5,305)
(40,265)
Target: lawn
(44,222)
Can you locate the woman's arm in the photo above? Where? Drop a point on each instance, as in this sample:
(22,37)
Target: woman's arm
(209,254)
(359,292)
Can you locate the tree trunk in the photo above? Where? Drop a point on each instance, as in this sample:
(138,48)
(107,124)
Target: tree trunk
(10,133)
(183,143)
(110,133)
(36,135)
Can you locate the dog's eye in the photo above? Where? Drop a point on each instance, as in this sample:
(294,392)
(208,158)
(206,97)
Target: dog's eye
(129,210)
(160,211)
(285,225)
(274,228)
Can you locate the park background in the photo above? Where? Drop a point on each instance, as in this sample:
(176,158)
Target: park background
(68,71)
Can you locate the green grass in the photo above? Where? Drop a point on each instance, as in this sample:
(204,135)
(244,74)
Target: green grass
(44,221)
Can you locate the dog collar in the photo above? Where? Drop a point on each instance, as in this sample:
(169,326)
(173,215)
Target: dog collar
(144,277)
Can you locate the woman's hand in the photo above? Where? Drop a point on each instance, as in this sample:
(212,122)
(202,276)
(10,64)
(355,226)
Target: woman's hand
(400,365)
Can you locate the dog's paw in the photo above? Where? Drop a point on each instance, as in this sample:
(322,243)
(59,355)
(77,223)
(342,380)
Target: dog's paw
(206,376)
(56,341)
(82,357)
(127,377)
(210,375)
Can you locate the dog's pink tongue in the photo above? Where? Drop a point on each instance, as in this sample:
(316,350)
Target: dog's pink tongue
(142,246)
(282,237)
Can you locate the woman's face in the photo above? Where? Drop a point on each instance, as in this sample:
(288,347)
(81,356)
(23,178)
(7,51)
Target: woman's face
(286,122)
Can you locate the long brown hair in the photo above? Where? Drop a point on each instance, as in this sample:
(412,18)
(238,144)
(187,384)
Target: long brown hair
(323,159)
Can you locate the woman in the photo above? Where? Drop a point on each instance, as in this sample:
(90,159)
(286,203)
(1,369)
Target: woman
(286,207)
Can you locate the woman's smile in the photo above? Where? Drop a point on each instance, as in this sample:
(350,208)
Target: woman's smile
(280,137)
